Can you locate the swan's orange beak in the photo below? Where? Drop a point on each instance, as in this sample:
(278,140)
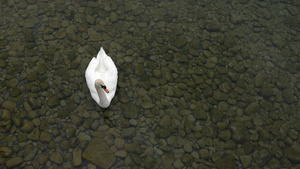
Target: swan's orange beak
(105,90)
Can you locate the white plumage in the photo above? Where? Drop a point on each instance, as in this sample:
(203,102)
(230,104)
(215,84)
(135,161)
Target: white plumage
(102,68)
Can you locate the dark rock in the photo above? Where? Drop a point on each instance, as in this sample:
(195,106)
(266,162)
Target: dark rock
(252,108)
(261,156)
(200,114)
(226,162)
(211,26)
(220,96)
(266,91)
(57,158)
(292,154)
(180,42)
(129,132)
(162,133)
(288,95)
(53,101)
(13,162)
(99,153)
(240,132)
(130,111)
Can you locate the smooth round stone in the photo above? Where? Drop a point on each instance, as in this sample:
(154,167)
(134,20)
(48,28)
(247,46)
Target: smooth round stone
(210,65)
(64,145)
(121,153)
(42,159)
(178,164)
(45,137)
(32,114)
(129,132)
(119,143)
(77,160)
(6,115)
(57,158)
(188,147)
(27,127)
(5,151)
(14,162)
(8,105)
(159,152)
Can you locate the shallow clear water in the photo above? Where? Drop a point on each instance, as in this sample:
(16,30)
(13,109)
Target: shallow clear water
(211,84)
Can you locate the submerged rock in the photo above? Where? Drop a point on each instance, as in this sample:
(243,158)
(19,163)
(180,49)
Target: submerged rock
(99,153)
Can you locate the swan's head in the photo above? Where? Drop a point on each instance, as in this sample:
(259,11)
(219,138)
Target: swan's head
(100,84)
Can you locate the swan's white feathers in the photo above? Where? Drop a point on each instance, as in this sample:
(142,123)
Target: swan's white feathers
(102,68)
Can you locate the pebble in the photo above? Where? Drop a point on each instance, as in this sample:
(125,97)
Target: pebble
(27,126)
(178,164)
(121,153)
(6,115)
(5,152)
(77,159)
(8,104)
(57,158)
(13,162)
(188,147)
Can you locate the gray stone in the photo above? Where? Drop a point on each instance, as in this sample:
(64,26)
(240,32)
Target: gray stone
(53,101)
(93,35)
(162,133)
(129,132)
(209,131)
(178,164)
(252,108)
(189,124)
(61,33)
(211,26)
(226,162)
(167,74)
(292,154)
(13,162)
(180,42)
(77,160)
(187,147)
(6,115)
(35,134)
(288,95)
(200,114)
(57,158)
(261,156)
(45,137)
(121,153)
(204,154)
(147,105)
(266,91)
(240,133)
(99,153)
(119,143)
(42,159)
(245,160)
(220,96)
(8,105)
(113,17)
(27,126)
(224,135)
(5,152)
(130,111)
(165,121)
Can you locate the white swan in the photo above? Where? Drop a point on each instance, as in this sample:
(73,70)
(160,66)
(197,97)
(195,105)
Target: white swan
(101,77)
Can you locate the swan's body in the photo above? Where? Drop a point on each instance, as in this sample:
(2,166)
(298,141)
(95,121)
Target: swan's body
(101,76)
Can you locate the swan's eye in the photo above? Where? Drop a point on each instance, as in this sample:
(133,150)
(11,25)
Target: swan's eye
(104,87)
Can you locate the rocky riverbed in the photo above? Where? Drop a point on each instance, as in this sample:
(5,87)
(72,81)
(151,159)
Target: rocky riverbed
(211,84)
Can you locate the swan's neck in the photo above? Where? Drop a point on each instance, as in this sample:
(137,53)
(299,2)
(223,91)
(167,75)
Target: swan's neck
(101,94)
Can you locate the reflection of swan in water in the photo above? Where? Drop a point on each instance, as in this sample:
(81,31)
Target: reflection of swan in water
(101,77)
